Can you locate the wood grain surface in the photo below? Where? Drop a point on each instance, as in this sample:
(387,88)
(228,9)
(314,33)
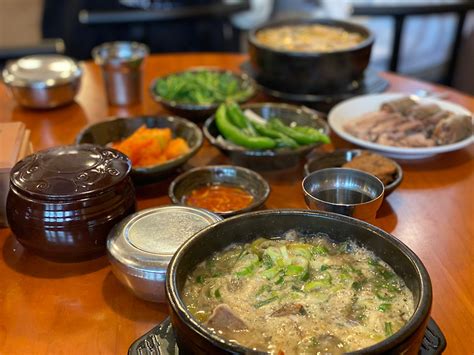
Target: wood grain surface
(49,308)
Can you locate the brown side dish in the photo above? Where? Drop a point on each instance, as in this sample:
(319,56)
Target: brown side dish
(375,164)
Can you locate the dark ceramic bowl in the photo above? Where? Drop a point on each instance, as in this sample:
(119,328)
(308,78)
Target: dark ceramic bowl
(228,175)
(194,338)
(64,201)
(195,111)
(269,159)
(103,133)
(310,72)
(339,157)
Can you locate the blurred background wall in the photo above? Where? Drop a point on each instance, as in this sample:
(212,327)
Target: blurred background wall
(426,40)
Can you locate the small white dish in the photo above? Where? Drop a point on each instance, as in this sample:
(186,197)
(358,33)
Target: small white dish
(357,106)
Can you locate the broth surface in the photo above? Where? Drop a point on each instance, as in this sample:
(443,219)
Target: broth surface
(308,38)
(298,295)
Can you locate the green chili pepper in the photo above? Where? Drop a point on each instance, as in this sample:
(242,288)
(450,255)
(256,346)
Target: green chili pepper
(321,137)
(238,118)
(299,137)
(282,139)
(235,135)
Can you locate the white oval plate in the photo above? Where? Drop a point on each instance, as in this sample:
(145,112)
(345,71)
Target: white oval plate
(357,106)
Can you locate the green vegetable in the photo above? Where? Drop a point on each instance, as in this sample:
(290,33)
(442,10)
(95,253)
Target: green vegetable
(324,280)
(297,135)
(319,250)
(271,273)
(217,293)
(310,131)
(235,135)
(202,87)
(295,270)
(200,279)
(265,302)
(237,117)
(385,307)
(282,139)
(279,281)
(388,328)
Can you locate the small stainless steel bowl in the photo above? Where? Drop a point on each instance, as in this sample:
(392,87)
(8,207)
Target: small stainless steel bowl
(140,246)
(349,192)
(43,81)
(236,176)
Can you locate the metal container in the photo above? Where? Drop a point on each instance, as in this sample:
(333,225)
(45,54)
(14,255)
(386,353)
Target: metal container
(141,246)
(121,64)
(64,201)
(349,192)
(43,81)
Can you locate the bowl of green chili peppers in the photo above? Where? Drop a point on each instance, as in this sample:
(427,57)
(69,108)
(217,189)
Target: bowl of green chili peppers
(266,136)
(196,93)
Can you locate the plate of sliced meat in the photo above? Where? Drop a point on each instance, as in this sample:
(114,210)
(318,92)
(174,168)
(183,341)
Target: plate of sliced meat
(403,126)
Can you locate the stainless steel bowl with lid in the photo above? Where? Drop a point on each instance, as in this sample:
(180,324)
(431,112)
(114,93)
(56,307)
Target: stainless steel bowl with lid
(141,246)
(43,81)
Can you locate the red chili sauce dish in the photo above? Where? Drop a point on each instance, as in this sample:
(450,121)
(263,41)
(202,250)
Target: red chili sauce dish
(219,198)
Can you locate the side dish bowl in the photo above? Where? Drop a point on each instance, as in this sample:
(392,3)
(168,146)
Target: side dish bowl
(104,133)
(280,158)
(194,337)
(310,72)
(349,192)
(201,111)
(227,175)
(339,157)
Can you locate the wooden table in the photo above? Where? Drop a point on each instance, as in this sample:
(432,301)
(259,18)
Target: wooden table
(81,308)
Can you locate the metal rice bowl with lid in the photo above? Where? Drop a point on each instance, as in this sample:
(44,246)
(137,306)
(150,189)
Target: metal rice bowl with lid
(64,201)
(43,81)
(142,245)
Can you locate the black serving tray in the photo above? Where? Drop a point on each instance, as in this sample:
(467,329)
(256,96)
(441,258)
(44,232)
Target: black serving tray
(161,341)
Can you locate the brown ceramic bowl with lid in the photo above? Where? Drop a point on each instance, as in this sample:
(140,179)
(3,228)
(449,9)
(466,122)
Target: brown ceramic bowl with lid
(64,201)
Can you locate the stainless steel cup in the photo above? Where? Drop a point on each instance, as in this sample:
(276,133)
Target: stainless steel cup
(121,64)
(349,192)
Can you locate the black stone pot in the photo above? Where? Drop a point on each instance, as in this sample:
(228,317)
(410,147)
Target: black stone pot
(310,72)
(193,338)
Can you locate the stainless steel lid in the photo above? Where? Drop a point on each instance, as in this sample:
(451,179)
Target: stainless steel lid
(143,243)
(41,71)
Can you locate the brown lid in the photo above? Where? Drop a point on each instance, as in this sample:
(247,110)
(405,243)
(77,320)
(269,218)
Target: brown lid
(71,171)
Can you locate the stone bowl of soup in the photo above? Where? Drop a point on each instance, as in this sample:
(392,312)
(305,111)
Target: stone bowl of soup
(297,281)
(318,56)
